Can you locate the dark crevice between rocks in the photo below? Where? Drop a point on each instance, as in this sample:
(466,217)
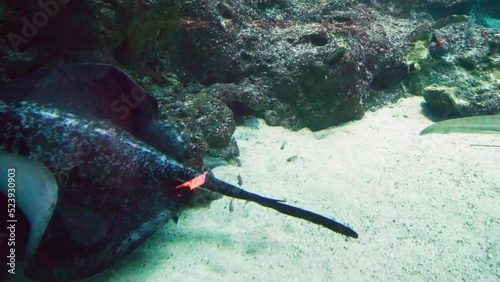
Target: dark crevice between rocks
(467,65)
(438,10)
(318,39)
(342,19)
(122,53)
(240,112)
(225,11)
(224,77)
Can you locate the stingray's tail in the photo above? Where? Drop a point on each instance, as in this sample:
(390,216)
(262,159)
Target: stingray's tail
(227,189)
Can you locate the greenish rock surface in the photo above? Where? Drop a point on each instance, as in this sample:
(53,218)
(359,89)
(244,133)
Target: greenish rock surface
(443,99)
(419,53)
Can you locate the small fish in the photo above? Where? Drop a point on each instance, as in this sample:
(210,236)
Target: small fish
(335,56)
(240,180)
(212,162)
(390,77)
(283,145)
(478,16)
(292,158)
(472,19)
(231,205)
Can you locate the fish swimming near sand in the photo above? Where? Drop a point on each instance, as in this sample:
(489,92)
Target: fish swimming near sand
(485,17)
(213,162)
(115,169)
(487,124)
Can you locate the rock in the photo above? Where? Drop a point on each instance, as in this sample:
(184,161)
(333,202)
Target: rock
(419,53)
(444,100)
(264,58)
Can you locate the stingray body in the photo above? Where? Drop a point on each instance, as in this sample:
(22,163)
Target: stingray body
(116,185)
(110,185)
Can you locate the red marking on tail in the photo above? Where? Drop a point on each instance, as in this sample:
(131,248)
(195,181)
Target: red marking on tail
(195,182)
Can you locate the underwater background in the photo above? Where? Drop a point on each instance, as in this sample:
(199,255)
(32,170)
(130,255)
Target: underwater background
(324,106)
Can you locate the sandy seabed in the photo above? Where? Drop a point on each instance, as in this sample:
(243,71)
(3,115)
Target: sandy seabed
(427,208)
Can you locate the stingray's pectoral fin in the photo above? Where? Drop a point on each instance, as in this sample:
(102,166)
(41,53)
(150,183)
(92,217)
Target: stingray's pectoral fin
(34,189)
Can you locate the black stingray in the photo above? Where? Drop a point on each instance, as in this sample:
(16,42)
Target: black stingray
(115,185)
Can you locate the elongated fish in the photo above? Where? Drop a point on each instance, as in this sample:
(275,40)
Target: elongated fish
(489,124)
(115,186)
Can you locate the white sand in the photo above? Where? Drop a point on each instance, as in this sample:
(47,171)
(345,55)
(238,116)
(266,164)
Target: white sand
(425,207)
